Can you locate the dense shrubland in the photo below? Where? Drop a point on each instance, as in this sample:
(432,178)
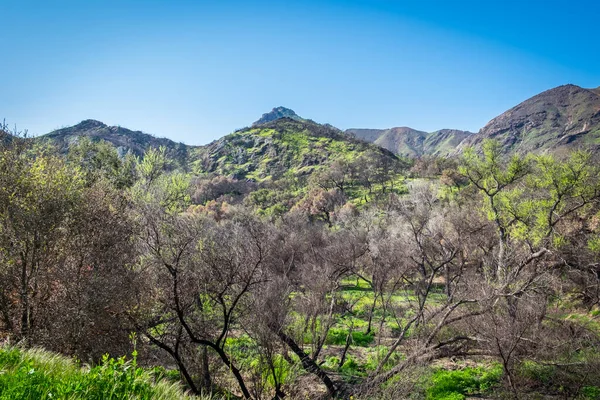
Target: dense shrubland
(456,278)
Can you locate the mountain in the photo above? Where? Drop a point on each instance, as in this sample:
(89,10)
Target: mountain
(410,142)
(284,146)
(278,113)
(557,120)
(123,139)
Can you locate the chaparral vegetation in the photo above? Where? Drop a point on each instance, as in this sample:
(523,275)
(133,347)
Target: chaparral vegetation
(292,260)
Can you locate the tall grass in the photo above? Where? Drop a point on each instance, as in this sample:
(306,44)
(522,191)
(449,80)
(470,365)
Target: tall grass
(36,374)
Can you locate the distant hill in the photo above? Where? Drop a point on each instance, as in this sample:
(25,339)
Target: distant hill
(409,142)
(285,145)
(123,139)
(557,120)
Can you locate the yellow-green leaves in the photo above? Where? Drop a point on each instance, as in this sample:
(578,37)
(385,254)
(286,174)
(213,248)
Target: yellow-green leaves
(153,164)
(530,197)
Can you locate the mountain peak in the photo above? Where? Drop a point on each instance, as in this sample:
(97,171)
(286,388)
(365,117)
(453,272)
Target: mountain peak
(278,113)
(90,124)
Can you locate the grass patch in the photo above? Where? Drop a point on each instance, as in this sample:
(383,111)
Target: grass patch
(41,375)
(457,384)
(338,336)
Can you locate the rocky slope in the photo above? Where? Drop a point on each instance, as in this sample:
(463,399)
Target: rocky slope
(557,120)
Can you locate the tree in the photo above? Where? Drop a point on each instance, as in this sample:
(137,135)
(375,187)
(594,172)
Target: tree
(37,198)
(199,274)
(64,248)
(100,160)
(322,204)
(538,206)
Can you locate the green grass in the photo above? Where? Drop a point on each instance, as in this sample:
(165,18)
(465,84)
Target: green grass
(457,384)
(553,379)
(338,336)
(246,353)
(37,374)
(376,355)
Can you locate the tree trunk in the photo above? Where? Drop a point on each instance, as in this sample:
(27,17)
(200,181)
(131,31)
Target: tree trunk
(25,313)
(307,363)
(205,370)
(346,347)
(236,372)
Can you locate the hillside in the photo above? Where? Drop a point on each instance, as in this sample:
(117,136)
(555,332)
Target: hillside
(270,150)
(410,142)
(123,139)
(557,120)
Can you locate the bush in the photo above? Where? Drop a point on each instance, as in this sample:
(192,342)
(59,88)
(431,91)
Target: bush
(352,368)
(561,381)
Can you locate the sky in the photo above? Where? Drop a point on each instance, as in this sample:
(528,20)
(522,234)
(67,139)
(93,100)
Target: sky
(194,71)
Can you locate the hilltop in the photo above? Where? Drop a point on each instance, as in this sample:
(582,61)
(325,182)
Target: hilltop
(277,113)
(556,121)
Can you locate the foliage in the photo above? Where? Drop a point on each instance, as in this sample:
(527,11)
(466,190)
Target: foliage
(288,160)
(100,160)
(295,254)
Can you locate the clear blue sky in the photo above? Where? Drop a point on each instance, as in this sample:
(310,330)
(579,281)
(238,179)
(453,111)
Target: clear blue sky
(196,70)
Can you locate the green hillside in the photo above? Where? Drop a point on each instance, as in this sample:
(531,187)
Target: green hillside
(283,147)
